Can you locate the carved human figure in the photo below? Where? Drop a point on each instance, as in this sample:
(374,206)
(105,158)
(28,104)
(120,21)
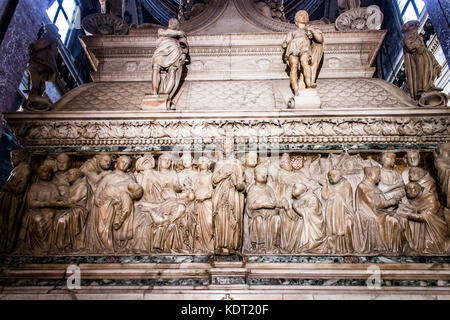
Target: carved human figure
(304,51)
(373,223)
(442,164)
(412,159)
(262,212)
(42,64)
(12,200)
(349,4)
(167,177)
(423,208)
(391,181)
(251,160)
(63,164)
(228,204)
(421,67)
(307,206)
(96,168)
(114,201)
(70,222)
(37,226)
(204,232)
(168,59)
(147,177)
(337,199)
(186,175)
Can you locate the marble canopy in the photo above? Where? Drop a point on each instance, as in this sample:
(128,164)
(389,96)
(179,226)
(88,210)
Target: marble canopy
(235,87)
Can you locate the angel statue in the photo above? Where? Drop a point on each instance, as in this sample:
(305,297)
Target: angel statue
(304,51)
(168,60)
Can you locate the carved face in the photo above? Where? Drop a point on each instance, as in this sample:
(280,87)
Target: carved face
(301,18)
(174,24)
(261,175)
(203,163)
(123,163)
(285,162)
(413,158)
(251,159)
(105,162)
(413,190)
(17,157)
(73,175)
(298,190)
(45,173)
(63,162)
(416,173)
(187,160)
(165,161)
(388,160)
(334,176)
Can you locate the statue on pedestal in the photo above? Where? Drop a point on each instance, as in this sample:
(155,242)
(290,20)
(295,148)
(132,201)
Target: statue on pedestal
(168,60)
(304,51)
(421,68)
(42,67)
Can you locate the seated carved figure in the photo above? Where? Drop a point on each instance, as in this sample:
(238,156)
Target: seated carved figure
(69,223)
(338,210)
(308,207)
(376,229)
(11,200)
(42,200)
(262,212)
(424,209)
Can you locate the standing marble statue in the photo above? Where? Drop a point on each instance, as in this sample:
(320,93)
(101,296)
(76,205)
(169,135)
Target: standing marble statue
(204,233)
(12,194)
(42,66)
(168,59)
(228,204)
(442,163)
(337,198)
(262,212)
(421,67)
(114,202)
(304,51)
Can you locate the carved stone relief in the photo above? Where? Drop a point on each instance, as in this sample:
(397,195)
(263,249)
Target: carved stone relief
(331,204)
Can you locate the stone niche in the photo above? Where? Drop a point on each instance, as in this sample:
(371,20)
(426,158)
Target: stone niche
(230,195)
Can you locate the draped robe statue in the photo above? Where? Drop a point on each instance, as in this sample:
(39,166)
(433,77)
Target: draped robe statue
(421,67)
(12,195)
(424,208)
(339,213)
(228,206)
(262,212)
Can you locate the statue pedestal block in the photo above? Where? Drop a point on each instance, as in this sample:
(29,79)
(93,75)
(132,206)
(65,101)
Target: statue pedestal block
(305,99)
(155,102)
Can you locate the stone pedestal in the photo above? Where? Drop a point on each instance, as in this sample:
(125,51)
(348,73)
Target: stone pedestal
(305,99)
(155,102)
